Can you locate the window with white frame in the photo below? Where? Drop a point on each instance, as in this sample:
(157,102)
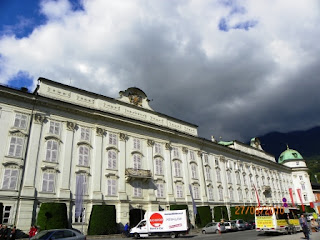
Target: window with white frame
(240,194)
(229,176)
(112,159)
(137,161)
(81,184)
(231,194)
(159,166)
(220,191)
(177,169)
(10,179)
(6,214)
(158,148)
(206,158)
(194,172)
(16,146)
(300,178)
(208,173)
(196,193)
(247,194)
(210,192)
(305,197)
(85,134)
(82,217)
(244,179)
(160,190)
(113,139)
(84,153)
(54,128)
(216,161)
(179,191)
(175,152)
(218,175)
(192,156)
(258,181)
(303,186)
(48,182)
(20,121)
(52,151)
(136,144)
(111,187)
(238,178)
(137,189)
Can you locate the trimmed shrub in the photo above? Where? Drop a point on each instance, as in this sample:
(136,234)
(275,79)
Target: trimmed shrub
(220,212)
(102,220)
(247,213)
(52,215)
(204,216)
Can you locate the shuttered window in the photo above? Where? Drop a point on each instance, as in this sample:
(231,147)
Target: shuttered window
(16,146)
(159,166)
(20,121)
(111,187)
(10,179)
(113,140)
(112,159)
(84,153)
(48,182)
(54,128)
(85,134)
(52,151)
(137,161)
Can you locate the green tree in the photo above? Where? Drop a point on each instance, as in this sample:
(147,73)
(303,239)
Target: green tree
(52,215)
(102,220)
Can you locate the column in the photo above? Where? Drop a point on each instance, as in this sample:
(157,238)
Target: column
(97,159)
(67,161)
(122,167)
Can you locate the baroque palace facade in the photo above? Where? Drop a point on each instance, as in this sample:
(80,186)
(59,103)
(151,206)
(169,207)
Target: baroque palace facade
(123,153)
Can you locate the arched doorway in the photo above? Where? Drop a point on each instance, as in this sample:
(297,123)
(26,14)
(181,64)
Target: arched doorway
(135,216)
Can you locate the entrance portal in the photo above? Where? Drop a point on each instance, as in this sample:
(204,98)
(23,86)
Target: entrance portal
(135,216)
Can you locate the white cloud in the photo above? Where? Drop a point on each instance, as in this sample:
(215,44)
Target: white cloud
(175,52)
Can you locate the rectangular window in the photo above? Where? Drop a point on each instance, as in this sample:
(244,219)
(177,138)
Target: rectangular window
(220,193)
(159,166)
(112,159)
(192,157)
(210,192)
(20,121)
(137,189)
(158,148)
(303,186)
(48,182)
(194,173)
(137,161)
(231,194)
(85,134)
(218,175)
(196,193)
(137,144)
(82,184)
(179,191)
(240,194)
(160,190)
(52,151)
(238,178)
(216,161)
(113,139)
(229,177)
(305,196)
(206,159)
(208,175)
(54,128)
(10,179)
(16,146)
(177,169)
(6,214)
(84,156)
(112,187)
(175,152)
(300,177)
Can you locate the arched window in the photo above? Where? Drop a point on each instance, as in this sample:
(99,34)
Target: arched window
(52,151)
(112,159)
(137,161)
(158,166)
(84,155)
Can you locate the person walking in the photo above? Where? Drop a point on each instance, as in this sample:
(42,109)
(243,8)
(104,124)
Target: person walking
(126,229)
(304,224)
(32,231)
(5,232)
(314,225)
(13,233)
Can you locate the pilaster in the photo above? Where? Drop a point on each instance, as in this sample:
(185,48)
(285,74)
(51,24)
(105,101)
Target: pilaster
(122,167)
(168,173)
(97,166)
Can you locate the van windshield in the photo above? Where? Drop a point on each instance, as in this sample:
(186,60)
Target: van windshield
(264,212)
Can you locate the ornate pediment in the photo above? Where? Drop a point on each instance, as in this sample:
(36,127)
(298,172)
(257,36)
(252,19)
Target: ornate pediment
(135,96)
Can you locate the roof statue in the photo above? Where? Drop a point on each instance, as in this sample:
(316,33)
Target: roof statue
(136,97)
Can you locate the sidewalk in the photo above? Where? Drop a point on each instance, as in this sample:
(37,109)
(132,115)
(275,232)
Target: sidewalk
(298,236)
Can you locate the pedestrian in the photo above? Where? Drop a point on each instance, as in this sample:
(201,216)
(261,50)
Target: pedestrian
(5,232)
(13,233)
(304,225)
(1,230)
(126,229)
(32,231)
(314,225)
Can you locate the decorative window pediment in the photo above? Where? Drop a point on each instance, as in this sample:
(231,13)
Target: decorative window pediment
(51,169)
(83,171)
(112,148)
(18,133)
(12,164)
(178,181)
(112,175)
(137,152)
(52,137)
(85,143)
(158,156)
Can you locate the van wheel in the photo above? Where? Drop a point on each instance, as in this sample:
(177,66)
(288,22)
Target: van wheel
(136,235)
(173,235)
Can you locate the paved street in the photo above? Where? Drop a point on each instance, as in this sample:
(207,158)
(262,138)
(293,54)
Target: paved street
(241,235)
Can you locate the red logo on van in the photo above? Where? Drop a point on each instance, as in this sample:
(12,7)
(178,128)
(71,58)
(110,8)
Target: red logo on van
(156,220)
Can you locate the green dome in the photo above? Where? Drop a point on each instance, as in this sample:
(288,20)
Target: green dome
(289,154)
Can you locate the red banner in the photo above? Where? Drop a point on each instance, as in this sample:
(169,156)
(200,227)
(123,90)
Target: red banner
(291,196)
(300,197)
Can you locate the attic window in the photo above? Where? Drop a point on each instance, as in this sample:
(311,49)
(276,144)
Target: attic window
(295,155)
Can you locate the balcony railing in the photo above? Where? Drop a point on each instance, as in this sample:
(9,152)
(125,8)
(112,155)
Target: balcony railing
(141,174)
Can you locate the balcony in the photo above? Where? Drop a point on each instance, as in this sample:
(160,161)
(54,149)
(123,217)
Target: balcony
(141,174)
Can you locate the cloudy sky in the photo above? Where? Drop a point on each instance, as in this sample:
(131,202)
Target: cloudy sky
(237,69)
